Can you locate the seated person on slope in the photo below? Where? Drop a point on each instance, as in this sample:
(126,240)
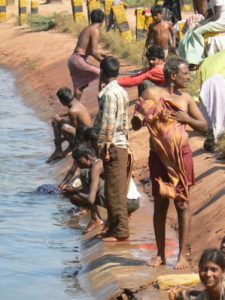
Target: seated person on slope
(64,125)
(92,178)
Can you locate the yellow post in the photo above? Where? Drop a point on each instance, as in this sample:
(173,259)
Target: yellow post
(34,7)
(3,14)
(140,23)
(148,21)
(107,8)
(180,29)
(121,20)
(91,5)
(77,9)
(22,11)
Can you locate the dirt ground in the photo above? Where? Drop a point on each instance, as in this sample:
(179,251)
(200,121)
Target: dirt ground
(39,61)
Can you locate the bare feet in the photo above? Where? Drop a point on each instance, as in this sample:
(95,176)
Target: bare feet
(82,211)
(156,261)
(67,151)
(114,239)
(182,263)
(93,224)
(55,156)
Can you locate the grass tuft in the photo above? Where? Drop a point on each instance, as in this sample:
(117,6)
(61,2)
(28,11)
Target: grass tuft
(40,23)
(65,24)
(141,3)
(131,51)
(220,145)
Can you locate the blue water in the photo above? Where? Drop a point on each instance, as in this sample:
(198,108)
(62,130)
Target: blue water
(39,242)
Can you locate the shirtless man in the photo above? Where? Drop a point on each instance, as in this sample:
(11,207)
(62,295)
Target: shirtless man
(160,33)
(82,73)
(176,76)
(64,125)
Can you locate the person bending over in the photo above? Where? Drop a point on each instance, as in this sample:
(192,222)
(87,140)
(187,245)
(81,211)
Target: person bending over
(92,193)
(82,72)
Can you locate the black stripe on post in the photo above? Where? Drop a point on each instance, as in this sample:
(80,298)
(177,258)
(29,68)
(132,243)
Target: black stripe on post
(22,10)
(77,9)
(124,26)
(2,9)
(34,10)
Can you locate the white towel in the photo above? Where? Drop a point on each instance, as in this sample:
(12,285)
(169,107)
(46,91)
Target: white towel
(213,98)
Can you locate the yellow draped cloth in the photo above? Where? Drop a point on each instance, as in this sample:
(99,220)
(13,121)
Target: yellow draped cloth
(167,137)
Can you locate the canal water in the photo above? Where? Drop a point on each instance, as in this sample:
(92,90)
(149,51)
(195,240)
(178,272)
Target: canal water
(39,240)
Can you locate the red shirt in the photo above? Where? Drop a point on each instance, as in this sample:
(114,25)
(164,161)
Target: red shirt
(154,74)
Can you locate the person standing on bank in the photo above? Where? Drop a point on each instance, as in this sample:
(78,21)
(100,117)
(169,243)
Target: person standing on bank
(111,125)
(167,111)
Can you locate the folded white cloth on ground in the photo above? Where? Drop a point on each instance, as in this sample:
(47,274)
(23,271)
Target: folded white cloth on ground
(132,191)
(213,99)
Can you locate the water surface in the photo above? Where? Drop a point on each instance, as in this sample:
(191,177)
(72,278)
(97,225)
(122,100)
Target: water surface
(39,249)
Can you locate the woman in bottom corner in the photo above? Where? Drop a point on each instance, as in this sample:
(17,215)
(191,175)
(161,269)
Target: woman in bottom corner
(211,273)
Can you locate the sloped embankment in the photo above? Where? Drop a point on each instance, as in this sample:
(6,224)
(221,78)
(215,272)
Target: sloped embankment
(40,62)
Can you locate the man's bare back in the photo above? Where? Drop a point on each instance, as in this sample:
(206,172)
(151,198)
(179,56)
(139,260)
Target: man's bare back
(88,40)
(79,115)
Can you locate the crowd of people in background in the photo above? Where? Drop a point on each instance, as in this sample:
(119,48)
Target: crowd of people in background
(102,160)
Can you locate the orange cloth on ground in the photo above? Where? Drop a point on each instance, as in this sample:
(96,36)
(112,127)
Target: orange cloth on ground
(167,136)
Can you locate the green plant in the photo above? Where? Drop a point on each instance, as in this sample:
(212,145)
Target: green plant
(136,3)
(40,23)
(131,51)
(32,64)
(220,145)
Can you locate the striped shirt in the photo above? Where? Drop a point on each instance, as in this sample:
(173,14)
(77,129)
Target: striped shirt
(111,122)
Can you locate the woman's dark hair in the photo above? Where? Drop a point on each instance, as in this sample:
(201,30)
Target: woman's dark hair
(97,16)
(155,52)
(212,255)
(110,66)
(172,66)
(82,150)
(156,9)
(65,95)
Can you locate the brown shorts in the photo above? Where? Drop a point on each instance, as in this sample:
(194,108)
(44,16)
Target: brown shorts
(158,170)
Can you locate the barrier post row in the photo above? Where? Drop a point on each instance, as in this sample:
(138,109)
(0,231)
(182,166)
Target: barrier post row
(77,9)
(3,14)
(22,5)
(121,21)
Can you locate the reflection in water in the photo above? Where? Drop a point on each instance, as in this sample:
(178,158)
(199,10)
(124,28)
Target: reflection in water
(39,253)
